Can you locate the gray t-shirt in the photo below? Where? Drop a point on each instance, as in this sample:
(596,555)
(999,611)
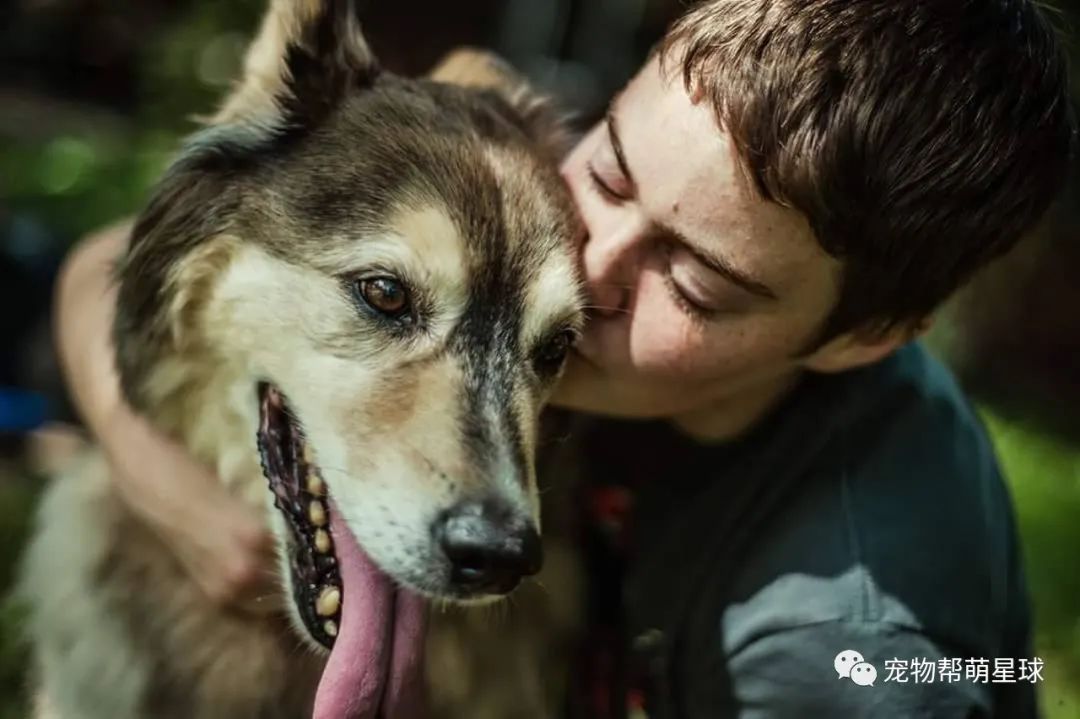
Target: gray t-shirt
(866,515)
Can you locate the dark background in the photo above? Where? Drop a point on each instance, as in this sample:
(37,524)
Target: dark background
(95,94)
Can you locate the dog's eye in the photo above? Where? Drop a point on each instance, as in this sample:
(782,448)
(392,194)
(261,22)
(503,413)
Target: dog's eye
(552,353)
(385,295)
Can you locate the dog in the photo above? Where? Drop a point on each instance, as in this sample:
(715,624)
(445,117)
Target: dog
(350,295)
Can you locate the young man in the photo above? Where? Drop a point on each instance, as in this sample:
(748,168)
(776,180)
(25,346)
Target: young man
(774,207)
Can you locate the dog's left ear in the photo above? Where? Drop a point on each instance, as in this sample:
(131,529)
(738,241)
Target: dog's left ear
(307,54)
(535,113)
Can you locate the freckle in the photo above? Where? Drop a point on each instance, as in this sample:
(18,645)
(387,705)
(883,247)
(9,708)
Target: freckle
(675,207)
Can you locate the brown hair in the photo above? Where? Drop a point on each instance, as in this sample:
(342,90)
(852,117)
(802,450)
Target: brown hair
(920,137)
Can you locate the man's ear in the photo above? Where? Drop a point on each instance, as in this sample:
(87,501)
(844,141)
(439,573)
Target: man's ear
(862,347)
(535,113)
(307,54)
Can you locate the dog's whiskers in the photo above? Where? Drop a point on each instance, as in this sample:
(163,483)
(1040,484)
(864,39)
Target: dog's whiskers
(498,614)
(607,308)
(539,583)
(423,457)
(616,285)
(336,470)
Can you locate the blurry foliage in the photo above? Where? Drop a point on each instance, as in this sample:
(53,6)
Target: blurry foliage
(1044,475)
(87,176)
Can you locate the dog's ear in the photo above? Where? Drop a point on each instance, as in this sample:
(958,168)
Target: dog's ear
(534,112)
(307,54)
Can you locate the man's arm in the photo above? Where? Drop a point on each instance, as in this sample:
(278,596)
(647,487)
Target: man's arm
(83,317)
(790,674)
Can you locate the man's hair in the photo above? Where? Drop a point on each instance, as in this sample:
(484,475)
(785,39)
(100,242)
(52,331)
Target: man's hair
(920,138)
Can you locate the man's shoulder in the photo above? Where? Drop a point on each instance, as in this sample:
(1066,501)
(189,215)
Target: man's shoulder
(907,416)
(900,519)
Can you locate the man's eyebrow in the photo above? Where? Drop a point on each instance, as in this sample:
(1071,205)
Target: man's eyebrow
(616,145)
(718,264)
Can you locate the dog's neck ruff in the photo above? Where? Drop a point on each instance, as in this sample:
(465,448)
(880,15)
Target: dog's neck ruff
(375,667)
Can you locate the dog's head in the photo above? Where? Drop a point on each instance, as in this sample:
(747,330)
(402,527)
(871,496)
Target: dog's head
(386,267)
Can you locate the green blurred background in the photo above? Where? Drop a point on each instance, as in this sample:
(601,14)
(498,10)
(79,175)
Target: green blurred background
(94,96)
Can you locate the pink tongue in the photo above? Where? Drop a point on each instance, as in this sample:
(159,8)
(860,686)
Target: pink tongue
(374,669)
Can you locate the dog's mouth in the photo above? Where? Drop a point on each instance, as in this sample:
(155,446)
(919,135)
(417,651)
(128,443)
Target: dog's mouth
(375,631)
(301,496)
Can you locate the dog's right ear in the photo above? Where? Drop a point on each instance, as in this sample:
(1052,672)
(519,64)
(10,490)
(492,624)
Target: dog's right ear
(534,113)
(307,54)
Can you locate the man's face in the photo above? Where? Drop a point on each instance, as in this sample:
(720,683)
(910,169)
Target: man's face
(700,290)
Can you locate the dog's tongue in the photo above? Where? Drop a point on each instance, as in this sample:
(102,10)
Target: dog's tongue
(374,670)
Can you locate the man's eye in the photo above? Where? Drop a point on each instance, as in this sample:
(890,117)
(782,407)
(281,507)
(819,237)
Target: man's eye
(604,188)
(387,296)
(684,299)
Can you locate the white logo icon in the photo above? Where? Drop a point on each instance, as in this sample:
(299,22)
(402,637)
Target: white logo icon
(864,674)
(849,664)
(844,661)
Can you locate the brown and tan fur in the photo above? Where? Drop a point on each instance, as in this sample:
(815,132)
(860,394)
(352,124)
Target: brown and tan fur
(316,167)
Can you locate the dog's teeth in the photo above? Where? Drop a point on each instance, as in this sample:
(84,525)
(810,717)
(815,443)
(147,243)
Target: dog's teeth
(330,627)
(315,484)
(317,514)
(322,541)
(329,602)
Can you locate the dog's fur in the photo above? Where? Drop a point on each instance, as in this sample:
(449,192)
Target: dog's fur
(318,169)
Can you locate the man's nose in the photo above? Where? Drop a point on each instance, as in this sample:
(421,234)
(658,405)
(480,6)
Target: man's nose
(611,263)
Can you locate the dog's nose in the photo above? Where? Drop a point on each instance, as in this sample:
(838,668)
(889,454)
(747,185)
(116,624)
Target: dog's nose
(490,548)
